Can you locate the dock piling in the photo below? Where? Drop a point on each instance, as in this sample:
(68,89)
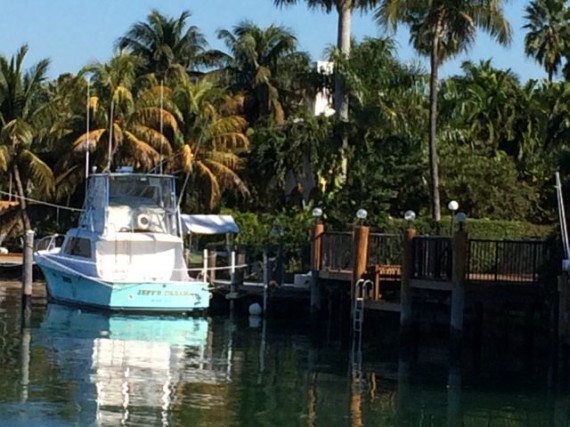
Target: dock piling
(360,255)
(459,248)
(212,255)
(27,271)
(205,264)
(406,272)
(233,271)
(563,307)
(316,245)
(233,277)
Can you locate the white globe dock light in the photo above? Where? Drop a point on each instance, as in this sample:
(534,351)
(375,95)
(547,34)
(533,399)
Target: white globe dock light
(409,216)
(361,214)
(452,206)
(317,213)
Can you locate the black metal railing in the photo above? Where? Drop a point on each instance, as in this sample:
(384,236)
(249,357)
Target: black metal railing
(336,251)
(507,261)
(432,258)
(385,249)
(511,261)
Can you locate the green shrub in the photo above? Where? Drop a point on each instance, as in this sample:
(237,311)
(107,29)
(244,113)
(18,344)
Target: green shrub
(259,229)
(477,228)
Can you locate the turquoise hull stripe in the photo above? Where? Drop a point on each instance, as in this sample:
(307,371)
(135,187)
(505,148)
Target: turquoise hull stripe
(144,296)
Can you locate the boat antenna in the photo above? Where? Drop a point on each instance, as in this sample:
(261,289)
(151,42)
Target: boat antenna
(88,139)
(183,189)
(161,120)
(562,218)
(110,135)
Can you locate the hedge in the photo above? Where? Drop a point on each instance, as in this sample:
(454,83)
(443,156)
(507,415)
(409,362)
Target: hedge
(296,226)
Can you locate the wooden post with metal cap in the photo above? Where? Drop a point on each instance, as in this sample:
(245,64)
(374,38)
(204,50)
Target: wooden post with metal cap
(406,273)
(360,250)
(316,247)
(27,269)
(459,263)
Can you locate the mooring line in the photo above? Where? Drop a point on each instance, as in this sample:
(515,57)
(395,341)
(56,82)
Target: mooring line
(39,202)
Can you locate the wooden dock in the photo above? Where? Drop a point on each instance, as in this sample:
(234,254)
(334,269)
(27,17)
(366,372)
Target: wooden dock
(400,273)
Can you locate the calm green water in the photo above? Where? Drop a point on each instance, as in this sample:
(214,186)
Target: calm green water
(78,368)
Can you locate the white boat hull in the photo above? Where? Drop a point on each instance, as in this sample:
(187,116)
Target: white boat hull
(163,296)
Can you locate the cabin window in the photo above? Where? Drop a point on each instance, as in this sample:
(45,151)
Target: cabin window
(78,246)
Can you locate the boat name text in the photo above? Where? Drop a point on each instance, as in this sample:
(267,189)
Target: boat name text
(166,293)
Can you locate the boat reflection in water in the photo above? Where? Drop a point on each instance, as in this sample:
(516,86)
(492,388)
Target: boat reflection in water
(128,368)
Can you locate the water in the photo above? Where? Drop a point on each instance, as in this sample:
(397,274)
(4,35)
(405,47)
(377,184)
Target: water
(81,368)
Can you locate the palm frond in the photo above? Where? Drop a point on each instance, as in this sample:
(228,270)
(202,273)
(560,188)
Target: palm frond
(41,173)
(88,140)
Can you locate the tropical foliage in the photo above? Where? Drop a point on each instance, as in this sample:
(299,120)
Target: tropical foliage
(166,46)
(547,36)
(212,135)
(238,130)
(261,66)
(24,116)
(440,30)
(344,9)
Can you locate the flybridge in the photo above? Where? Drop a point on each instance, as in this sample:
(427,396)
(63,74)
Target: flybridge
(122,202)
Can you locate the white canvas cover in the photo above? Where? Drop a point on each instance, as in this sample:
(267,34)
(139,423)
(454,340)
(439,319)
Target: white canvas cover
(208,224)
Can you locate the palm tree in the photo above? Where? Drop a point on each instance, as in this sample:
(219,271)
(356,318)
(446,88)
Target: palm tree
(68,93)
(24,108)
(166,45)
(547,37)
(441,29)
(258,61)
(344,10)
(485,105)
(128,126)
(212,135)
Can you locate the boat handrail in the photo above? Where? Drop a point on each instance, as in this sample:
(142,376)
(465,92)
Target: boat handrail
(71,270)
(68,269)
(227,267)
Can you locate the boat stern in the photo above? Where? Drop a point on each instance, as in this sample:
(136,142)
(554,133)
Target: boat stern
(186,296)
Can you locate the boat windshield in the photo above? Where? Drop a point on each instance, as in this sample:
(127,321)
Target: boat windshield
(135,191)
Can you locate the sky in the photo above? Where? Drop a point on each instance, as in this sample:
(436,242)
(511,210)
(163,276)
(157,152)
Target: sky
(73,33)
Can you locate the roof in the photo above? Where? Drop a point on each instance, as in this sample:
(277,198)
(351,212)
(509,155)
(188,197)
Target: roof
(208,224)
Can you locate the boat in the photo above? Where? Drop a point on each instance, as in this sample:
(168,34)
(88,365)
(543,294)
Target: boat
(126,253)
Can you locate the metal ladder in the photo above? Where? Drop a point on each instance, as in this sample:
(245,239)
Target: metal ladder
(360,292)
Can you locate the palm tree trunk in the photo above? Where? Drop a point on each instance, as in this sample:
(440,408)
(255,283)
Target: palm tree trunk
(21,196)
(434,173)
(340,98)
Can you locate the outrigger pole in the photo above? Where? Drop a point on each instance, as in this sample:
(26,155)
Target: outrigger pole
(161,121)
(87,141)
(111,125)
(563,226)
